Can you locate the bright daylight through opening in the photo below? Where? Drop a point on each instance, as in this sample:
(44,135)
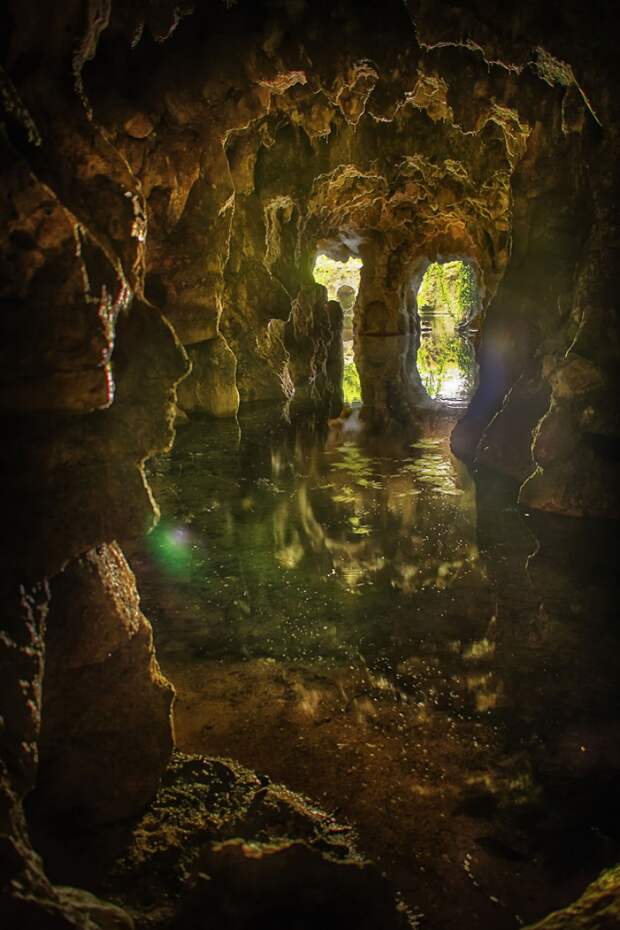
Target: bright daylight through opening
(342,280)
(447,304)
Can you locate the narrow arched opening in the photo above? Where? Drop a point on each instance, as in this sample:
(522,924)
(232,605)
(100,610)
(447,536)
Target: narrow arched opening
(448,303)
(342,280)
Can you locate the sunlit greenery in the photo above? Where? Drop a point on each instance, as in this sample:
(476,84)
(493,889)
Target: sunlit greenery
(449,287)
(332,274)
(444,362)
(351,384)
(446,298)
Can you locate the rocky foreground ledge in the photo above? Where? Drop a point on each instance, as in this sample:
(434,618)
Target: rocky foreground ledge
(221,846)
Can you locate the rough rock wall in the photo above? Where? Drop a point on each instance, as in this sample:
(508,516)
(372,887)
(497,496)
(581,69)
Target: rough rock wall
(472,135)
(105,732)
(88,393)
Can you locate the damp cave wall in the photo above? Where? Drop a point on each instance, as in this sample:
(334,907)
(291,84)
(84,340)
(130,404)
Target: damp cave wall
(168,175)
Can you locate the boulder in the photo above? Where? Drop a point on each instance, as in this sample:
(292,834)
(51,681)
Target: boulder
(106,733)
(211,386)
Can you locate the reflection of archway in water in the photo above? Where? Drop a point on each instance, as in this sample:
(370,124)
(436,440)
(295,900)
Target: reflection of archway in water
(447,302)
(342,280)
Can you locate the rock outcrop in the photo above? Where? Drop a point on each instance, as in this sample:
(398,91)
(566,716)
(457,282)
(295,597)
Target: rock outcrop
(106,732)
(211,387)
(88,392)
(597,909)
(221,844)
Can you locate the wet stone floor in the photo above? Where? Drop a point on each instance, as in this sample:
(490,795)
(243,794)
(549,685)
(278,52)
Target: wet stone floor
(364,620)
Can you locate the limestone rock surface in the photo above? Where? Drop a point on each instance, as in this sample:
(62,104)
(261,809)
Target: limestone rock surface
(211,386)
(220,842)
(106,732)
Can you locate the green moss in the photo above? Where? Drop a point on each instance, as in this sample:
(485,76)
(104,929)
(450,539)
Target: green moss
(450,287)
(351,384)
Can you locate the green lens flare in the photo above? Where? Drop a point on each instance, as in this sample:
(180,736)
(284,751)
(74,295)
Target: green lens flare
(171,547)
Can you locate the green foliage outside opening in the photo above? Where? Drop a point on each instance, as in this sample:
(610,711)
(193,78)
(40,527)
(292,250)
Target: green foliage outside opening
(443,362)
(447,297)
(332,275)
(351,386)
(450,287)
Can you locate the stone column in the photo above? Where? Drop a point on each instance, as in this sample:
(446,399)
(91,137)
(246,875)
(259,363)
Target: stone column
(386,337)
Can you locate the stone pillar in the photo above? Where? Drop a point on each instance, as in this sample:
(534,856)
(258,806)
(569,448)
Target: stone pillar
(385,337)
(313,337)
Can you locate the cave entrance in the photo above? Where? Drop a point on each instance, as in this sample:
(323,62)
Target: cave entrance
(448,301)
(342,280)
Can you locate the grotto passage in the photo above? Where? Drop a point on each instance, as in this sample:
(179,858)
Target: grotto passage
(310,364)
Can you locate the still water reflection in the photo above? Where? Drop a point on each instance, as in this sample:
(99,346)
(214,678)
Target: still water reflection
(446,358)
(365,620)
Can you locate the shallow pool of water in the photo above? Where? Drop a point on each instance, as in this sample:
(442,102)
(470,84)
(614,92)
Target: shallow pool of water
(363,619)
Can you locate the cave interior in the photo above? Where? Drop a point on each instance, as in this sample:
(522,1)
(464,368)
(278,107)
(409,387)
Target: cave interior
(312,343)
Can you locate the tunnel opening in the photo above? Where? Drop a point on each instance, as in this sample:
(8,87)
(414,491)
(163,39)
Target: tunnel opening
(447,303)
(342,280)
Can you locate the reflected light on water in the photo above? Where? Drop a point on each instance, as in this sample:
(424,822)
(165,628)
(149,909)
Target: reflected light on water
(446,358)
(371,624)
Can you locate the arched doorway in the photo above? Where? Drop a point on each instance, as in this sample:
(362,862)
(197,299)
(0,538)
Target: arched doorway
(342,280)
(448,302)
